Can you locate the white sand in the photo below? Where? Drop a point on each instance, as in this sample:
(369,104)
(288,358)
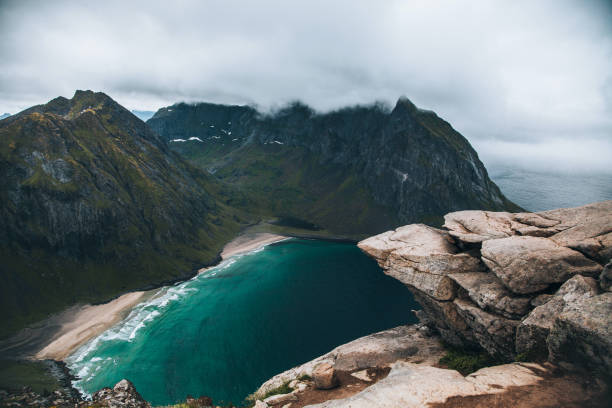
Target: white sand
(249,242)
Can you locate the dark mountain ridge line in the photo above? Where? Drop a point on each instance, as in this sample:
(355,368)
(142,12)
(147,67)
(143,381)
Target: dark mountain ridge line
(404,164)
(90,192)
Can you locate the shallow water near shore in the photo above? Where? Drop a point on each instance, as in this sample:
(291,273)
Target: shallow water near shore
(234,326)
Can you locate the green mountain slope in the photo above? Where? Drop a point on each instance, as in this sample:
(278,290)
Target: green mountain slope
(354,172)
(93,204)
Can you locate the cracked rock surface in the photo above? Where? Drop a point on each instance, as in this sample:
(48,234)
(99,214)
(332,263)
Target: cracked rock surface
(510,283)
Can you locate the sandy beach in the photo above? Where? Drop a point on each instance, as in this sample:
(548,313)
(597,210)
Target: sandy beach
(249,242)
(87,322)
(78,324)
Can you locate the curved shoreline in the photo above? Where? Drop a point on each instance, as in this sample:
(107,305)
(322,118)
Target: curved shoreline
(60,335)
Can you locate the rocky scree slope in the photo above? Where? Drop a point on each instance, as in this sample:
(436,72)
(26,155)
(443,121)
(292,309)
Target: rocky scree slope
(532,285)
(93,204)
(355,171)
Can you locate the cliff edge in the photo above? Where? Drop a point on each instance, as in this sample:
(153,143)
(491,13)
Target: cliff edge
(532,290)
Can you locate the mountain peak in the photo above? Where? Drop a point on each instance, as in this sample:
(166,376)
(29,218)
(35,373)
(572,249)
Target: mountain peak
(404,105)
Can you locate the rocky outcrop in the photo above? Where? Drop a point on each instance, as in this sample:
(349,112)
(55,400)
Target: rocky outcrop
(122,395)
(404,343)
(530,264)
(506,283)
(400,164)
(324,376)
(518,385)
(581,334)
(526,283)
(416,385)
(534,329)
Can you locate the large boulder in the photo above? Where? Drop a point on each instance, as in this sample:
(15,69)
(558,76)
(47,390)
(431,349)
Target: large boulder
(533,331)
(494,333)
(473,227)
(582,335)
(488,292)
(593,238)
(421,257)
(530,264)
(122,395)
(444,318)
(324,376)
(478,226)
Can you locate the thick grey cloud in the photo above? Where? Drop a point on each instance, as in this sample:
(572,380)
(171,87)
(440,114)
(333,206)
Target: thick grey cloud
(527,82)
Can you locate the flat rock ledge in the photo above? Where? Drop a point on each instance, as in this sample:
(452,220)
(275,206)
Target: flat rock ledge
(398,368)
(534,285)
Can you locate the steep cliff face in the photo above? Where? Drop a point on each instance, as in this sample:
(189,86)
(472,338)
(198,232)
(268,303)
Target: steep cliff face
(94,203)
(357,170)
(527,284)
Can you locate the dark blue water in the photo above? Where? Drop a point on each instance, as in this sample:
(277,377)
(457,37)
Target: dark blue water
(228,330)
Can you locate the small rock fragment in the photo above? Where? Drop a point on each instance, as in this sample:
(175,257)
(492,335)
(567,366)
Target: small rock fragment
(324,376)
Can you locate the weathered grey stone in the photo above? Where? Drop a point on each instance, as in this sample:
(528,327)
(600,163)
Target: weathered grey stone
(487,291)
(437,286)
(494,333)
(406,343)
(443,318)
(280,399)
(533,331)
(571,217)
(420,256)
(123,394)
(582,334)
(478,226)
(324,376)
(416,386)
(605,278)
(530,264)
(540,299)
(593,238)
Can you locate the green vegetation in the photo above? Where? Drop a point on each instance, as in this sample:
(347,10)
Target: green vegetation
(14,375)
(96,205)
(283,389)
(305,377)
(467,361)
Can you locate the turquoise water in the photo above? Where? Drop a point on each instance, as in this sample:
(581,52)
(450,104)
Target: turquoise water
(231,328)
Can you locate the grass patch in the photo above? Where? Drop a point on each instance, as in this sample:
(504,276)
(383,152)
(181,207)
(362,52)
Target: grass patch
(14,375)
(467,361)
(305,377)
(283,389)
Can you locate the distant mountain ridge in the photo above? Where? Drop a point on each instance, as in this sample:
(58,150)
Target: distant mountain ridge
(143,115)
(93,204)
(356,170)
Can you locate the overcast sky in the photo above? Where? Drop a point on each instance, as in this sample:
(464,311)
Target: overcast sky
(527,82)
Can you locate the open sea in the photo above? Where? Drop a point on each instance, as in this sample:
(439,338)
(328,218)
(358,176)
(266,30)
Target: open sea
(540,191)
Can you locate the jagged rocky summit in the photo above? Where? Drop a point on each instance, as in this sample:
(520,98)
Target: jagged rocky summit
(93,204)
(529,284)
(357,170)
